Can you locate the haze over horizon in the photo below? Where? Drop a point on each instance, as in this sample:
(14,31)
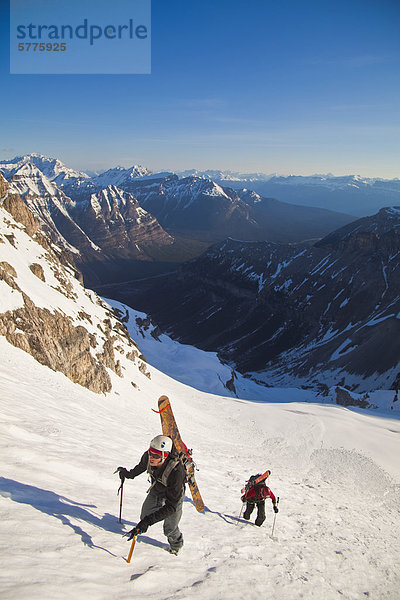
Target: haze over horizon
(300,88)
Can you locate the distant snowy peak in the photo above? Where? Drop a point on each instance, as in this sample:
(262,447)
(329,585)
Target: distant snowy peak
(197,186)
(120,176)
(225,175)
(250,196)
(52,168)
(327,180)
(345,182)
(178,194)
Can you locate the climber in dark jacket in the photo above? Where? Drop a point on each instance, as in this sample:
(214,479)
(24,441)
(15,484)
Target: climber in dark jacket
(164,499)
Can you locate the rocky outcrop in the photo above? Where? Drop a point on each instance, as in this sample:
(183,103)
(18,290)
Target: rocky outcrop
(346,398)
(21,213)
(51,316)
(37,270)
(53,341)
(3,187)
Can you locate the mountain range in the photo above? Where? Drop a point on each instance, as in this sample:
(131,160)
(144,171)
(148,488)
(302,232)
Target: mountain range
(127,223)
(352,194)
(274,304)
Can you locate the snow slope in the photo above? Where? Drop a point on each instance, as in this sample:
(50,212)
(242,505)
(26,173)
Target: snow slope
(336,471)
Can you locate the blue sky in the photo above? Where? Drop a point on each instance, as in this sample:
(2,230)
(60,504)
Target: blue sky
(290,87)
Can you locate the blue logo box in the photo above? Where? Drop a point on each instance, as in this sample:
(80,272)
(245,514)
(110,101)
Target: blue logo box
(80,36)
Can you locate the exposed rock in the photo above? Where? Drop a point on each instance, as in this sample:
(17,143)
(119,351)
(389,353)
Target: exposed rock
(21,213)
(143,369)
(345,398)
(145,324)
(6,268)
(37,270)
(132,355)
(54,341)
(107,357)
(3,187)
(230,384)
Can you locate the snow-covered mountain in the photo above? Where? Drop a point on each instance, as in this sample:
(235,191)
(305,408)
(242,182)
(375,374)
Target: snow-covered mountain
(52,168)
(326,314)
(119,176)
(105,229)
(115,221)
(76,396)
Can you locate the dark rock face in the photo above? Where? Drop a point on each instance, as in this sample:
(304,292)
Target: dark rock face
(290,309)
(345,398)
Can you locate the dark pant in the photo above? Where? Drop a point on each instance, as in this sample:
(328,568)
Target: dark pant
(171,530)
(250,506)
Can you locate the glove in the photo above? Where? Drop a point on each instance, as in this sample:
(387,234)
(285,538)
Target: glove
(122,472)
(276,509)
(141,527)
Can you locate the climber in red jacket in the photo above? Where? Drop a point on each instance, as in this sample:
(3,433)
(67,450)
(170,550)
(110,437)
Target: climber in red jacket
(255,495)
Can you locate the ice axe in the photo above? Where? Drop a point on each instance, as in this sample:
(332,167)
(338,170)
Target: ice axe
(128,560)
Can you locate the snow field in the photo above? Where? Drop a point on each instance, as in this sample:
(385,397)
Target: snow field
(336,472)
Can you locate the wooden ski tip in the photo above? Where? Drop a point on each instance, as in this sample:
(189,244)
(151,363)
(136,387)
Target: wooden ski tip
(161,400)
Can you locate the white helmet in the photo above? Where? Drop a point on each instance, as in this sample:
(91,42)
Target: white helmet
(161,445)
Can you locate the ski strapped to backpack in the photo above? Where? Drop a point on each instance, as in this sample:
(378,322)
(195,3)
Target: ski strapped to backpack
(255,480)
(170,429)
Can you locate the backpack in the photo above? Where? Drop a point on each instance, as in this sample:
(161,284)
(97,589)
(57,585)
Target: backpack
(178,457)
(253,490)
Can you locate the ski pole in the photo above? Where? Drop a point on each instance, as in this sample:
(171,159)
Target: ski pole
(240,514)
(120,489)
(273,526)
(128,560)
